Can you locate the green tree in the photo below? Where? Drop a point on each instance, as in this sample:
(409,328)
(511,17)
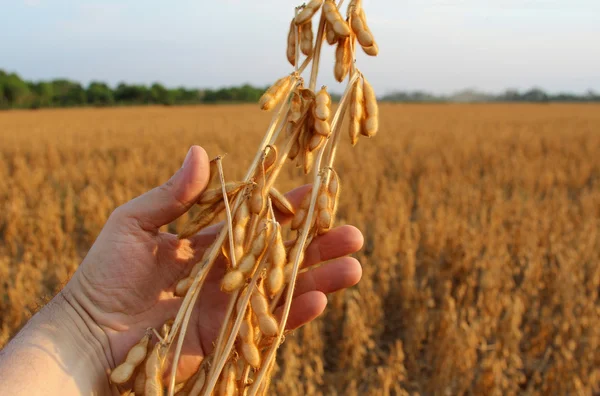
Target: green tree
(99,94)
(15,92)
(68,93)
(161,95)
(43,94)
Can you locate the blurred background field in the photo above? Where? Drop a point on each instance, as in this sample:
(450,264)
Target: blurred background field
(481,222)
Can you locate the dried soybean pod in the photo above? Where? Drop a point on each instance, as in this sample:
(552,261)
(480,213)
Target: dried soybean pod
(356,111)
(232,281)
(372,50)
(154,386)
(270,157)
(371,119)
(139,383)
(316,141)
(306,39)
(184,284)
(295,108)
(248,346)
(277,258)
(295,150)
(323,210)
(216,194)
(322,107)
(307,13)
(275,93)
(333,16)
(327,217)
(136,355)
(363,35)
(302,211)
(287,270)
(343,59)
(227,386)
(257,197)
(247,263)
(291,44)
(334,187)
(281,202)
(330,35)
(309,160)
(266,322)
(240,222)
(202,219)
(322,128)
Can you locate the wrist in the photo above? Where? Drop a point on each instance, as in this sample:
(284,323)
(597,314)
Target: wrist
(59,351)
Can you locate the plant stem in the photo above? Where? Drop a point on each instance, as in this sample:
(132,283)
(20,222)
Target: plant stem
(240,316)
(317,53)
(336,123)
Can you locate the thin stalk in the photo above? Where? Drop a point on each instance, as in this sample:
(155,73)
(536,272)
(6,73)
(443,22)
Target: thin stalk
(317,53)
(336,123)
(297,49)
(224,329)
(305,64)
(227,212)
(244,379)
(181,337)
(238,321)
(281,125)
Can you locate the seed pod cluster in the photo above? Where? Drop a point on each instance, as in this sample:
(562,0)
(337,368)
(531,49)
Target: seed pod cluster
(260,267)
(235,279)
(136,355)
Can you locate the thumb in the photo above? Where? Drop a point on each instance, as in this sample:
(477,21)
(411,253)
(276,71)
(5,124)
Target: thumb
(166,203)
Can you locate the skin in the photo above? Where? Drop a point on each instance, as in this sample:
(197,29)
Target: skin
(126,282)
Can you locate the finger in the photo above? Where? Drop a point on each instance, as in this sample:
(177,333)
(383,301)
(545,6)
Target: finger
(336,275)
(340,241)
(166,203)
(305,308)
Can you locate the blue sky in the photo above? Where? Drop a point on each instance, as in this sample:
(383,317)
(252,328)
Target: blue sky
(435,45)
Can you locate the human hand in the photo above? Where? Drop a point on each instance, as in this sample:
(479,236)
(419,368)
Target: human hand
(126,282)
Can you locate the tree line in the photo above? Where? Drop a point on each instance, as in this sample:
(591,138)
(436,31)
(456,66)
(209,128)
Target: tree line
(534,95)
(18,93)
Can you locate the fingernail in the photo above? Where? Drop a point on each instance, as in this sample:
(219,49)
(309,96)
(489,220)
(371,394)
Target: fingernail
(188,158)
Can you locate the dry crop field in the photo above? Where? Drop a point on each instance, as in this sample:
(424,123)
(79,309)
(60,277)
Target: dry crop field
(481,223)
